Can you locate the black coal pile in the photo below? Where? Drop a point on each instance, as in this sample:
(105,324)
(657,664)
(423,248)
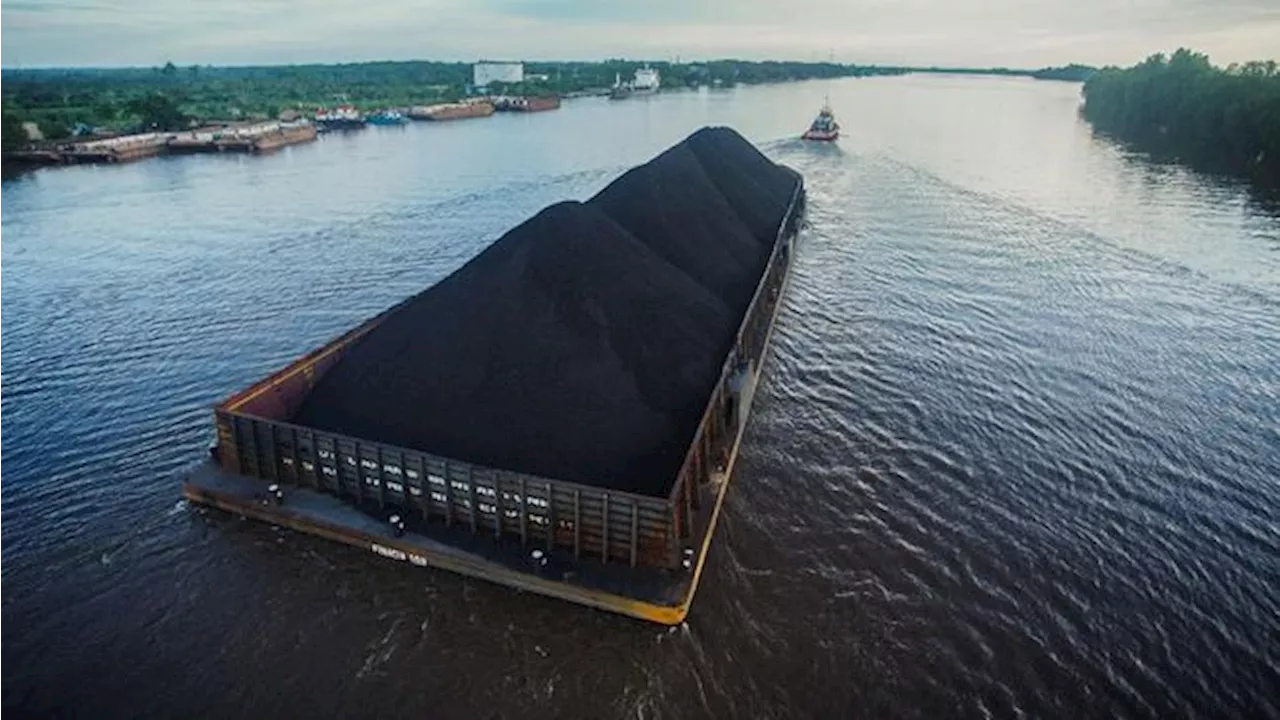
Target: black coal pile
(583,344)
(673,207)
(754,186)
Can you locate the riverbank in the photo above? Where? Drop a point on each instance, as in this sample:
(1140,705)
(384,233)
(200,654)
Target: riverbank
(58,102)
(61,100)
(1183,108)
(252,138)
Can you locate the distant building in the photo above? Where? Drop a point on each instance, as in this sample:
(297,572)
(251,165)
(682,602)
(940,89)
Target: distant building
(485,73)
(32,131)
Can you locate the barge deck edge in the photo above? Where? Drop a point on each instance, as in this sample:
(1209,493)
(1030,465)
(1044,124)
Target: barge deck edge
(342,523)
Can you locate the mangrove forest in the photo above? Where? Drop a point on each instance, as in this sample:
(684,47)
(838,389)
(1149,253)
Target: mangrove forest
(1182,107)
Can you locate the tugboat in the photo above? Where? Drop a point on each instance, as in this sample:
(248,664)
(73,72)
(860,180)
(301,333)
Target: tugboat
(387,117)
(824,127)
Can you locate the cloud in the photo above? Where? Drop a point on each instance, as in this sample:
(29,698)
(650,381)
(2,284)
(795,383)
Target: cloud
(963,32)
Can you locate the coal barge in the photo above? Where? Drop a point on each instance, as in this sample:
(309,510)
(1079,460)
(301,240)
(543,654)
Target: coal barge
(560,415)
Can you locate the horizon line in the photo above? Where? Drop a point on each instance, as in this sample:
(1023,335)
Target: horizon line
(538,62)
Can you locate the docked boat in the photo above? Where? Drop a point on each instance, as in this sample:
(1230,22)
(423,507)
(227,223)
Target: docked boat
(343,117)
(620,90)
(526,103)
(824,128)
(387,117)
(646,80)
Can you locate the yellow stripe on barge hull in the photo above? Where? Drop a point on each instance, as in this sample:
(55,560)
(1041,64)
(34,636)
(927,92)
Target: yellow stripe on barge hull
(659,596)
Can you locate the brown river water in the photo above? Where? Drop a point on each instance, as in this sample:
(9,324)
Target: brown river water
(1016,452)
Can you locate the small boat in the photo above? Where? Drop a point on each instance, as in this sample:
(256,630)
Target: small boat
(387,117)
(824,127)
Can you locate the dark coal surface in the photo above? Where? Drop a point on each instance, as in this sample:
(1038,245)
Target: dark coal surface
(521,360)
(583,344)
(673,207)
(753,184)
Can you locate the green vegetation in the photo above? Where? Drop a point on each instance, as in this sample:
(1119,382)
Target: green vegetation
(1180,106)
(579,76)
(63,102)
(1070,73)
(168,97)
(1073,72)
(138,98)
(158,111)
(12,136)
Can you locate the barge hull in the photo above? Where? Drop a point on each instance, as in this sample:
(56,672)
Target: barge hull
(655,595)
(654,598)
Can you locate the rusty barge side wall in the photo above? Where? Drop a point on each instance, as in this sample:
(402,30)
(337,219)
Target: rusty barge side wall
(284,136)
(452,111)
(538,512)
(256,439)
(725,415)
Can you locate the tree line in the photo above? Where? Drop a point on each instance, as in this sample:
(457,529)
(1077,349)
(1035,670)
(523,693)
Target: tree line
(127,99)
(1071,73)
(60,101)
(1183,107)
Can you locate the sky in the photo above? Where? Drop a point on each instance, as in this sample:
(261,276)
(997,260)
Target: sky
(1012,33)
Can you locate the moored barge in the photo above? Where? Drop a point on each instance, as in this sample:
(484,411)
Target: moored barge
(638,554)
(251,138)
(125,148)
(452,111)
(526,103)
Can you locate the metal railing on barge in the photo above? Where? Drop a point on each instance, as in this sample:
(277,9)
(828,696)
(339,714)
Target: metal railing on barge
(256,439)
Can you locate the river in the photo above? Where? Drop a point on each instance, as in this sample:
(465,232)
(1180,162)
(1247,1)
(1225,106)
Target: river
(1017,449)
